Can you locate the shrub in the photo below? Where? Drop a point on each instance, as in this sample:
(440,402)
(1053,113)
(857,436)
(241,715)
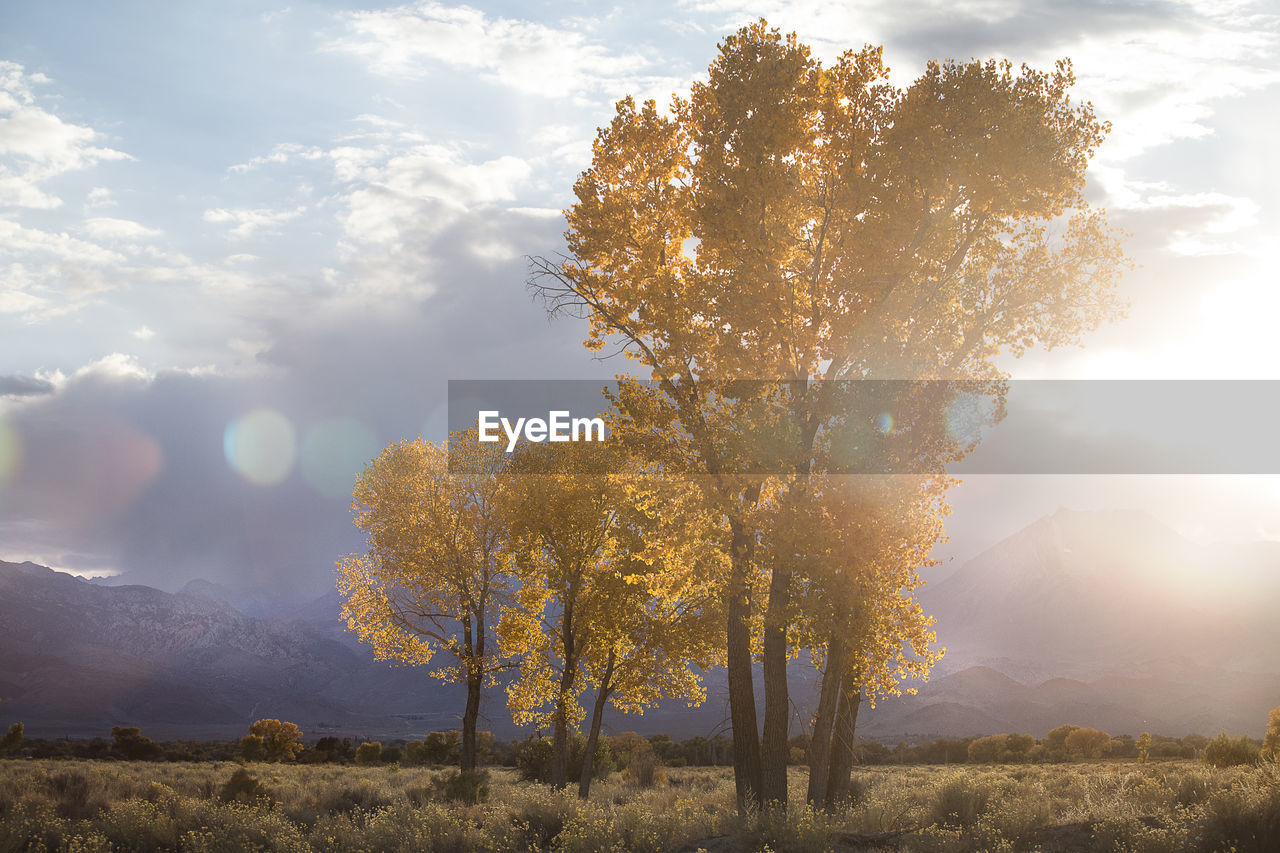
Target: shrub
(243,788)
(365,795)
(1224,751)
(644,769)
(1243,819)
(533,758)
(959,801)
(471,787)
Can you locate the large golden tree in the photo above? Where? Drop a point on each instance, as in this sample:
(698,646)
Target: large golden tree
(800,223)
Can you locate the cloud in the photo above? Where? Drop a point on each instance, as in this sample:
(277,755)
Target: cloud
(407,41)
(105,228)
(248,221)
(36,145)
(24,386)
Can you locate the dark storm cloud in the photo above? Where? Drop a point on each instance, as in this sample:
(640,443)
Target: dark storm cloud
(130,472)
(959,33)
(24,386)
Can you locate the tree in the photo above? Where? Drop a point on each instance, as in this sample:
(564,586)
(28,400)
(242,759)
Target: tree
(1144,747)
(796,223)
(1087,743)
(863,539)
(12,739)
(436,576)
(659,629)
(369,752)
(1271,742)
(1056,741)
(271,740)
(132,745)
(562,521)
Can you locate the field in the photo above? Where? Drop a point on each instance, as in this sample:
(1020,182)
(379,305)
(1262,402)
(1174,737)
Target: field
(1170,806)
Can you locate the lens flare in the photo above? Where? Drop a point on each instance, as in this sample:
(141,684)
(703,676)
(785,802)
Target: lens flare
(333,452)
(884,423)
(10,451)
(261,446)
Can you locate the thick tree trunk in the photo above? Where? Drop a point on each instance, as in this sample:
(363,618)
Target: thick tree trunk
(593,737)
(473,669)
(742,698)
(560,720)
(842,743)
(824,721)
(475,678)
(774,748)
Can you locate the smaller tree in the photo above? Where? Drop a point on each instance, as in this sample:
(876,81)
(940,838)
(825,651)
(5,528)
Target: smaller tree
(988,750)
(12,740)
(132,745)
(1055,742)
(1144,747)
(369,753)
(271,740)
(434,578)
(1271,743)
(1087,743)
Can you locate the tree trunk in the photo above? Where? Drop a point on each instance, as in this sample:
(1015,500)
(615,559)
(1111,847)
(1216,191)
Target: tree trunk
(774,748)
(560,720)
(824,721)
(742,698)
(842,743)
(475,678)
(593,737)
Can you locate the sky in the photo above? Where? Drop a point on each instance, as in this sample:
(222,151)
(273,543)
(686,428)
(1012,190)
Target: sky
(243,246)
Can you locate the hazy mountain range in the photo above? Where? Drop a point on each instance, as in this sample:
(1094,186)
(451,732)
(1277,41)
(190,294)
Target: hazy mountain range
(1107,619)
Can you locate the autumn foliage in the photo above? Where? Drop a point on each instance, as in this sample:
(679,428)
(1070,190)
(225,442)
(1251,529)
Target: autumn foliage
(777,236)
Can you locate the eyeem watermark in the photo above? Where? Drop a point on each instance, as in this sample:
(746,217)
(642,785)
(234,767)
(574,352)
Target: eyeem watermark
(558,426)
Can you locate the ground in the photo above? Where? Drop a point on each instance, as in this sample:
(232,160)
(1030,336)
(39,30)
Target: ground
(1173,806)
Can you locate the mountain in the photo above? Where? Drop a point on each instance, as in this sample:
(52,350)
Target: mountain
(1108,619)
(80,657)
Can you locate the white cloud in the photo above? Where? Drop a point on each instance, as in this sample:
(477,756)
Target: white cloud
(99,197)
(282,153)
(524,55)
(248,221)
(105,228)
(117,366)
(36,145)
(17,240)
(144,333)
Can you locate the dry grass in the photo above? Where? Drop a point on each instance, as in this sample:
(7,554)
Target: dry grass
(88,806)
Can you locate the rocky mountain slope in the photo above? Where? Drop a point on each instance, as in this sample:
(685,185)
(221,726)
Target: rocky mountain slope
(1103,619)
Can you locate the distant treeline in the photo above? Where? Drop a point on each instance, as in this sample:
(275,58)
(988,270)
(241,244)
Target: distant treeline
(1065,743)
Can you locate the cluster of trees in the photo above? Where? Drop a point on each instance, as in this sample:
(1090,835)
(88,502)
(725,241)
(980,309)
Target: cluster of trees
(787,229)
(532,756)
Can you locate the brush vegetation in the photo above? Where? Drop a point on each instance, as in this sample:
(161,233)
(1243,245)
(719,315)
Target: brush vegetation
(99,806)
